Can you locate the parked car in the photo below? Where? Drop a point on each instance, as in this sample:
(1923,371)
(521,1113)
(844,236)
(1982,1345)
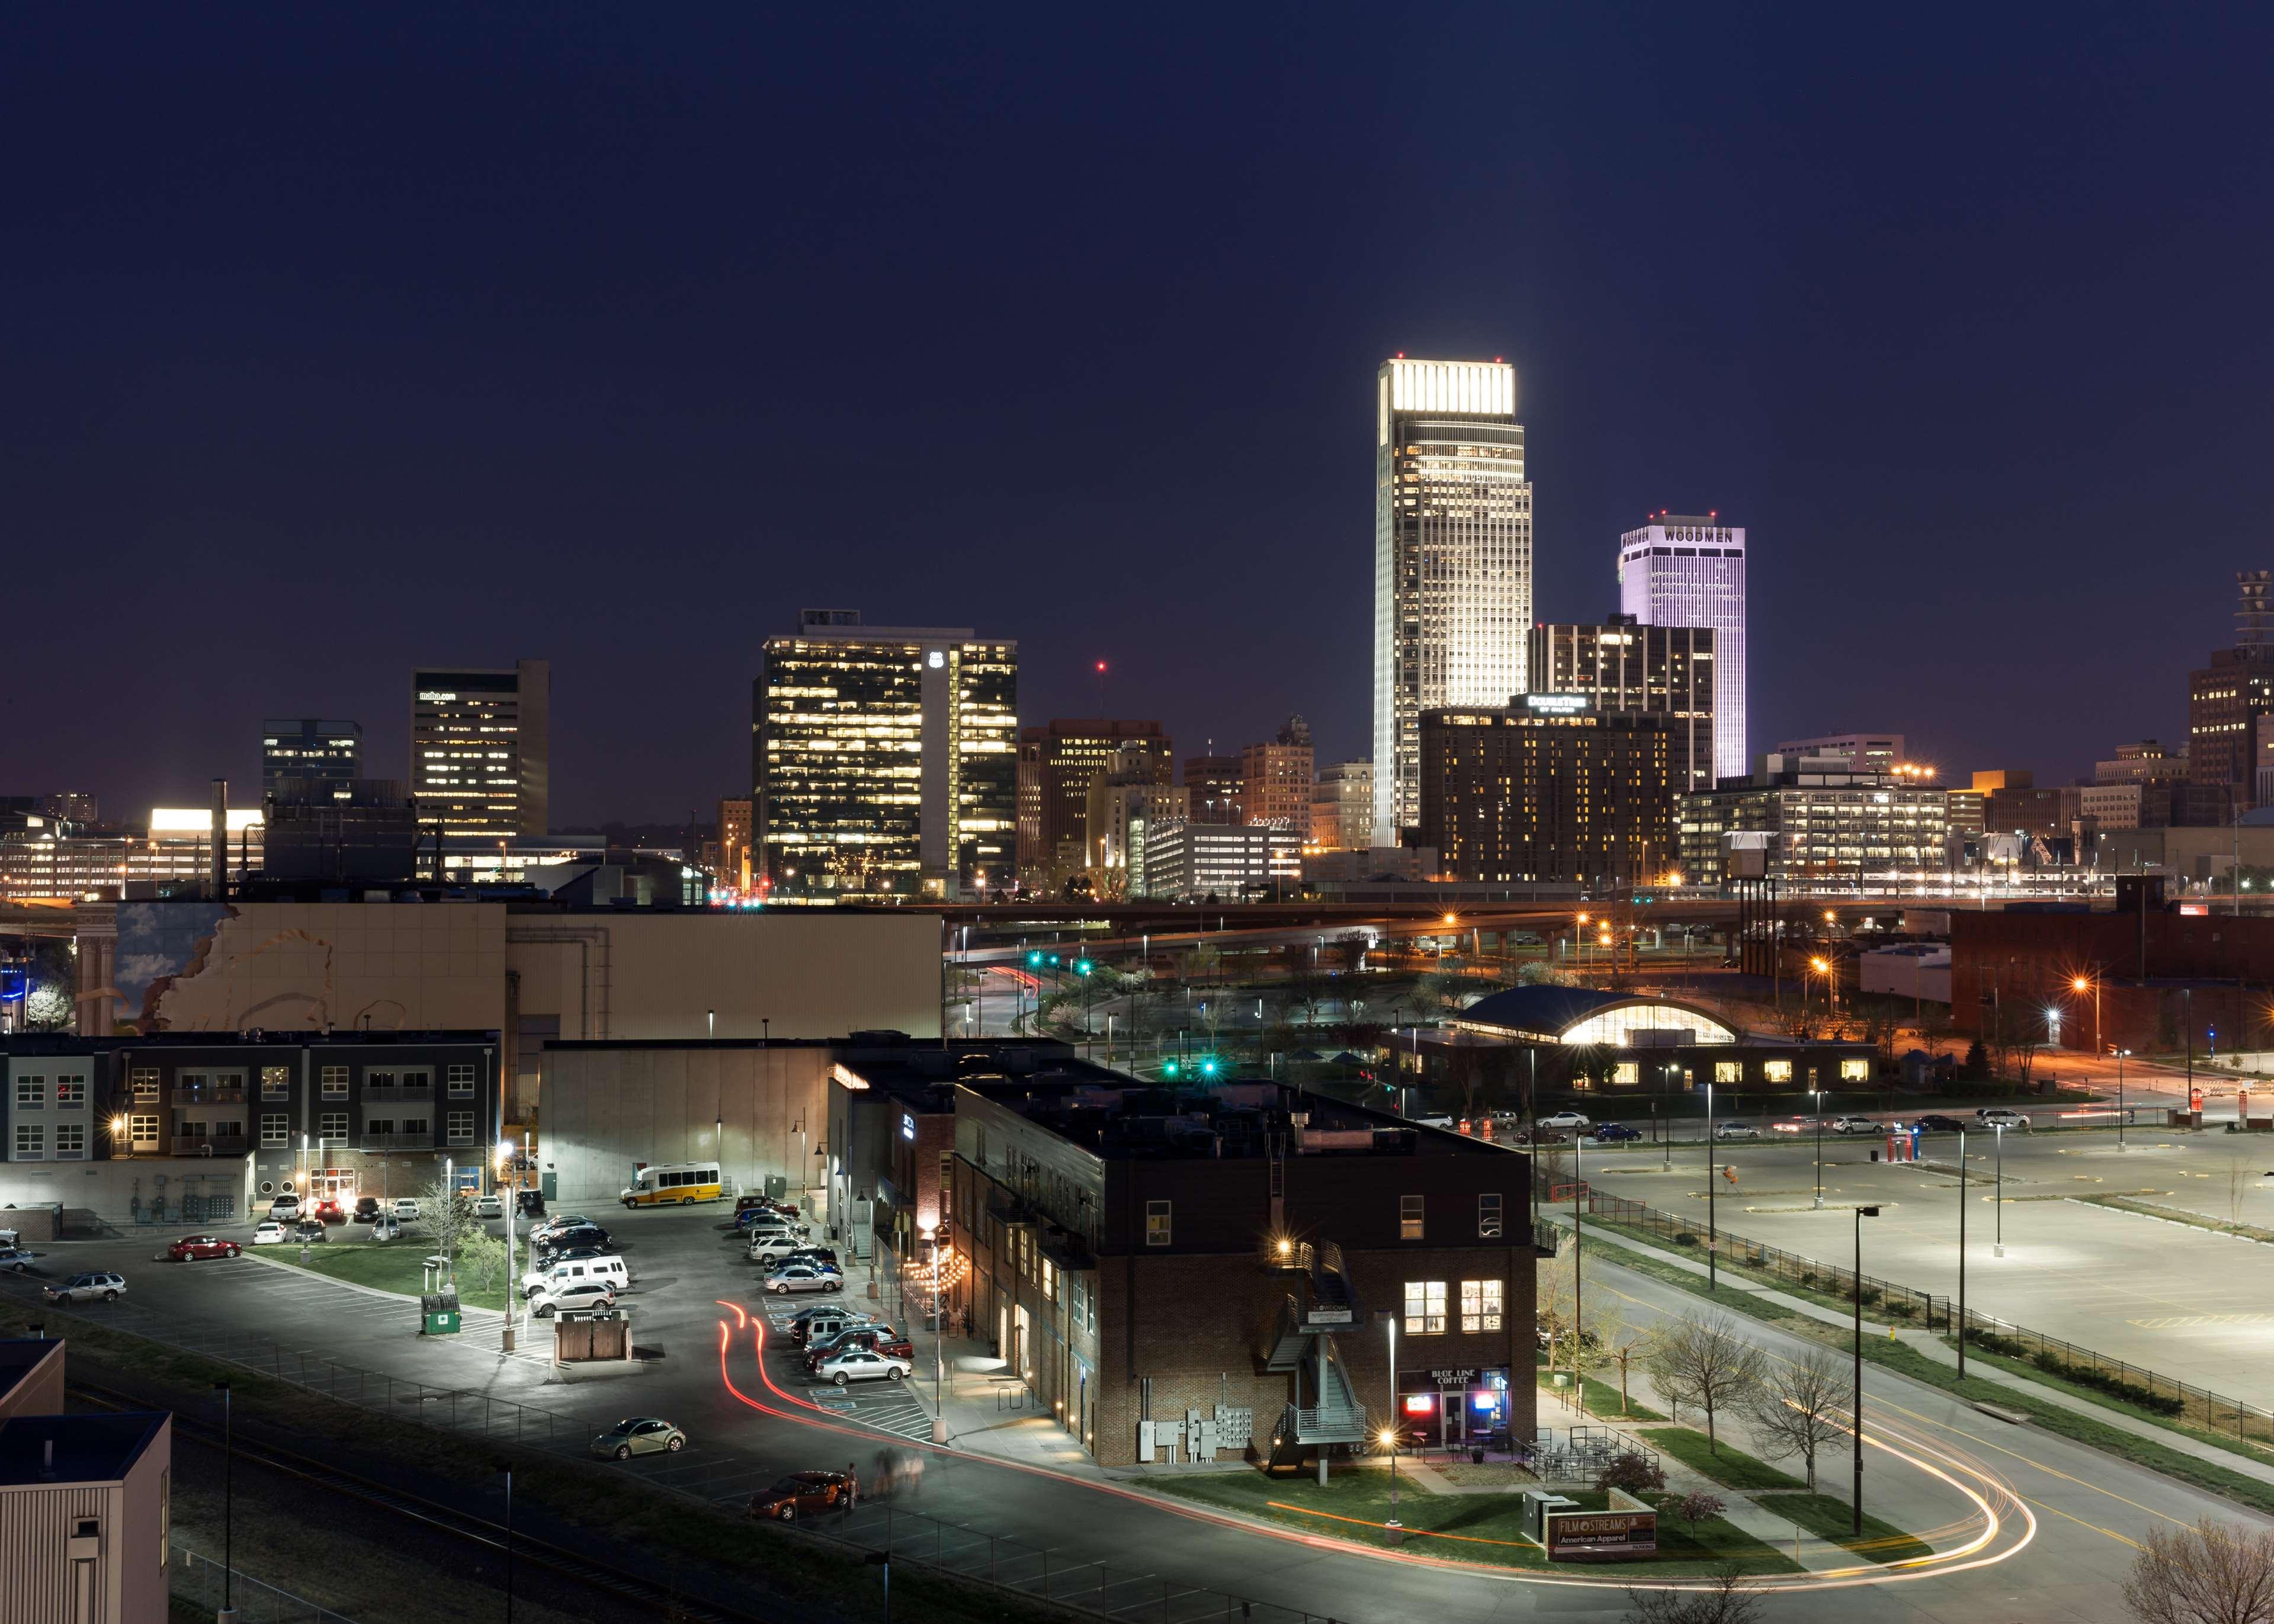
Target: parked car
(822,1321)
(1934,1121)
(268,1233)
(1854,1124)
(823,1255)
(1565,1119)
(564,1221)
(2000,1117)
(875,1338)
(548,1300)
(853,1365)
(327,1211)
(405,1207)
(531,1203)
(367,1208)
(800,1495)
(552,1276)
(744,1202)
(1614,1133)
(586,1236)
(80,1287)
(16,1258)
(192,1247)
(1735,1130)
(639,1435)
(802,1277)
(386,1227)
(286,1207)
(489,1207)
(767,1218)
(774,1247)
(311,1231)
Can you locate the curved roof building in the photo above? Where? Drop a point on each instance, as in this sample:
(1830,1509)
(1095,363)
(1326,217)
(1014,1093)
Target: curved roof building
(1583,1015)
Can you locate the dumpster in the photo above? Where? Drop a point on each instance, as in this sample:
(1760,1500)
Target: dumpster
(438,1313)
(582,1335)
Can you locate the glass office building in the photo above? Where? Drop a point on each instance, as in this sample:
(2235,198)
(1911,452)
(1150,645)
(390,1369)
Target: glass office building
(328,756)
(481,750)
(1452,560)
(1688,571)
(885,760)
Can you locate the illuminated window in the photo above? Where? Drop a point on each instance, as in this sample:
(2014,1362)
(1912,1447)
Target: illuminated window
(145,1080)
(1855,1070)
(1626,1074)
(1156,1223)
(70,1092)
(1728,1072)
(142,1132)
(275,1082)
(1488,1217)
(1409,1217)
(1481,1304)
(1777,1071)
(1425,1308)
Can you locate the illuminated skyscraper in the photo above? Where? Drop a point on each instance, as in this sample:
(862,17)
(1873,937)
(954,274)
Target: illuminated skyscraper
(884,759)
(329,754)
(481,749)
(1452,560)
(1680,570)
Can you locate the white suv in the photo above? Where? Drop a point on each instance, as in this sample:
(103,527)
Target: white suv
(2000,1117)
(572,1294)
(80,1286)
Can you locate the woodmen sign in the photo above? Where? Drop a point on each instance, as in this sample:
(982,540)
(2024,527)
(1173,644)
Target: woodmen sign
(1601,1535)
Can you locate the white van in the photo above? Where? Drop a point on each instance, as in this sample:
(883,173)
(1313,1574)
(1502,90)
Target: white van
(552,1279)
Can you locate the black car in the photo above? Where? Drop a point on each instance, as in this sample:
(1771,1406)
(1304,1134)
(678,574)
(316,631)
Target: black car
(583,1237)
(311,1229)
(531,1203)
(1614,1133)
(366,1209)
(1934,1123)
(822,1255)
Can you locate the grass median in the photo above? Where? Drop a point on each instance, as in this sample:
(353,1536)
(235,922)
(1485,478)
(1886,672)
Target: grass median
(1832,1519)
(1729,1466)
(384,1265)
(1482,1526)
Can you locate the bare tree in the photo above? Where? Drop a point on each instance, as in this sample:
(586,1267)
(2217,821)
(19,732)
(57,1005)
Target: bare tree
(1725,1598)
(446,1214)
(1799,1409)
(1706,1362)
(1553,1286)
(2210,1574)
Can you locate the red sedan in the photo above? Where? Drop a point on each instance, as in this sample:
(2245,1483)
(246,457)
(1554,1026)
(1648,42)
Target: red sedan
(193,1246)
(875,1338)
(800,1494)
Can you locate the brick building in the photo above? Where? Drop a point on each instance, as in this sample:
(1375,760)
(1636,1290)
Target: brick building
(1192,1276)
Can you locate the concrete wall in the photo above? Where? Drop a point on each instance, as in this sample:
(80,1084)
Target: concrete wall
(607,1107)
(39,1390)
(108,1190)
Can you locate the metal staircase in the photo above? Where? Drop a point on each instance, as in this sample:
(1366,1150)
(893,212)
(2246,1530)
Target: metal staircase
(1306,1343)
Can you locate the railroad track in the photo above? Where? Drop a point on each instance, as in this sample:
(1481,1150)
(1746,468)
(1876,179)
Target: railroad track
(465,1526)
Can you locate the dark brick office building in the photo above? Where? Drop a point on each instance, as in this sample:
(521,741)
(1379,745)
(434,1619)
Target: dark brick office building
(1190,1276)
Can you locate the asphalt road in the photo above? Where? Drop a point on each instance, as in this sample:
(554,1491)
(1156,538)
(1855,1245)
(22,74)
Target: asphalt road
(2194,1305)
(2084,1508)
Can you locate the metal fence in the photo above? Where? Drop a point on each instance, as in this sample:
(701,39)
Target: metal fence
(2216,1413)
(198,1581)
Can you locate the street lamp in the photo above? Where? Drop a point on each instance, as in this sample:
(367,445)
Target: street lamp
(1997,1245)
(512,1209)
(228,1508)
(1711,1233)
(1855,1407)
(2120,1112)
(1819,1093)
(2080,983)
(1961,1254)
(938,1359)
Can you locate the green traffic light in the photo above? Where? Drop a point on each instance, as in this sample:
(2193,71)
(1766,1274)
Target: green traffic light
(1083,967)
(1207,1068)
(1033,958)
(1169,1070)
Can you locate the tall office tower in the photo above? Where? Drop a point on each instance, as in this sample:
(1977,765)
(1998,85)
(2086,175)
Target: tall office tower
(884,759)
(1626,666)
(735,841)
(1452,560)
(1682,571)
(1058,764)
(1275,779)
(481,749)
(1213,781)
(2226,699)
(326,755)
(1342,806)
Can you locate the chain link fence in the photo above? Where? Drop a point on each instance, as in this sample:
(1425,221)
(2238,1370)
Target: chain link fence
(199,1580)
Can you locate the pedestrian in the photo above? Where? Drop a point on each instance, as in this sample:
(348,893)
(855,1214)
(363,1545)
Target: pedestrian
(852,1486)
(884,1474)
(912,1471)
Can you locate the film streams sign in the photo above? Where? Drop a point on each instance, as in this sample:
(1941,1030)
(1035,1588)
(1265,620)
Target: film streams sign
(1601,1535)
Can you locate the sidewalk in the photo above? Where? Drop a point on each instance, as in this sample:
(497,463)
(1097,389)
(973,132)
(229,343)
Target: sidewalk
(1932,1346)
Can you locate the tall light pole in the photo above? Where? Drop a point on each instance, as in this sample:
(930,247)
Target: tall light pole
(1961,1254)
(227,1614)
(1855,1408)
(507,1468)
(512,1209)
(2080,983)
(938,1358)
(1711,1233)
(1998,1245)
(2121,1054)
(1819,1093)
(1578,1245)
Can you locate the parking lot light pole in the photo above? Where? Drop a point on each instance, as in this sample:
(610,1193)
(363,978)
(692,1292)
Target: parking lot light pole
(939,1330)
(1961,1254)
(1855,1405)
(1712,1232)
(1819,1093)
(227,1614)
(2119,1097)
(1998,1245)
(512,1207)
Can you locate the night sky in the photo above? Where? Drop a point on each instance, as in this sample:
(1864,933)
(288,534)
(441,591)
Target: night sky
(336,344)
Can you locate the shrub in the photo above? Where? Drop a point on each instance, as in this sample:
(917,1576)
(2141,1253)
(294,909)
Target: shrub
(1632,1472)
(1695,1508)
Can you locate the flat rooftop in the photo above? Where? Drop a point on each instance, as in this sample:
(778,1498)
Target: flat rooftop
(90,1448)
(19,1354)
(1130,1120)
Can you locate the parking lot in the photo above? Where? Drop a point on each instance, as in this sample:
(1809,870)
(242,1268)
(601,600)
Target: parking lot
(2182,1301)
